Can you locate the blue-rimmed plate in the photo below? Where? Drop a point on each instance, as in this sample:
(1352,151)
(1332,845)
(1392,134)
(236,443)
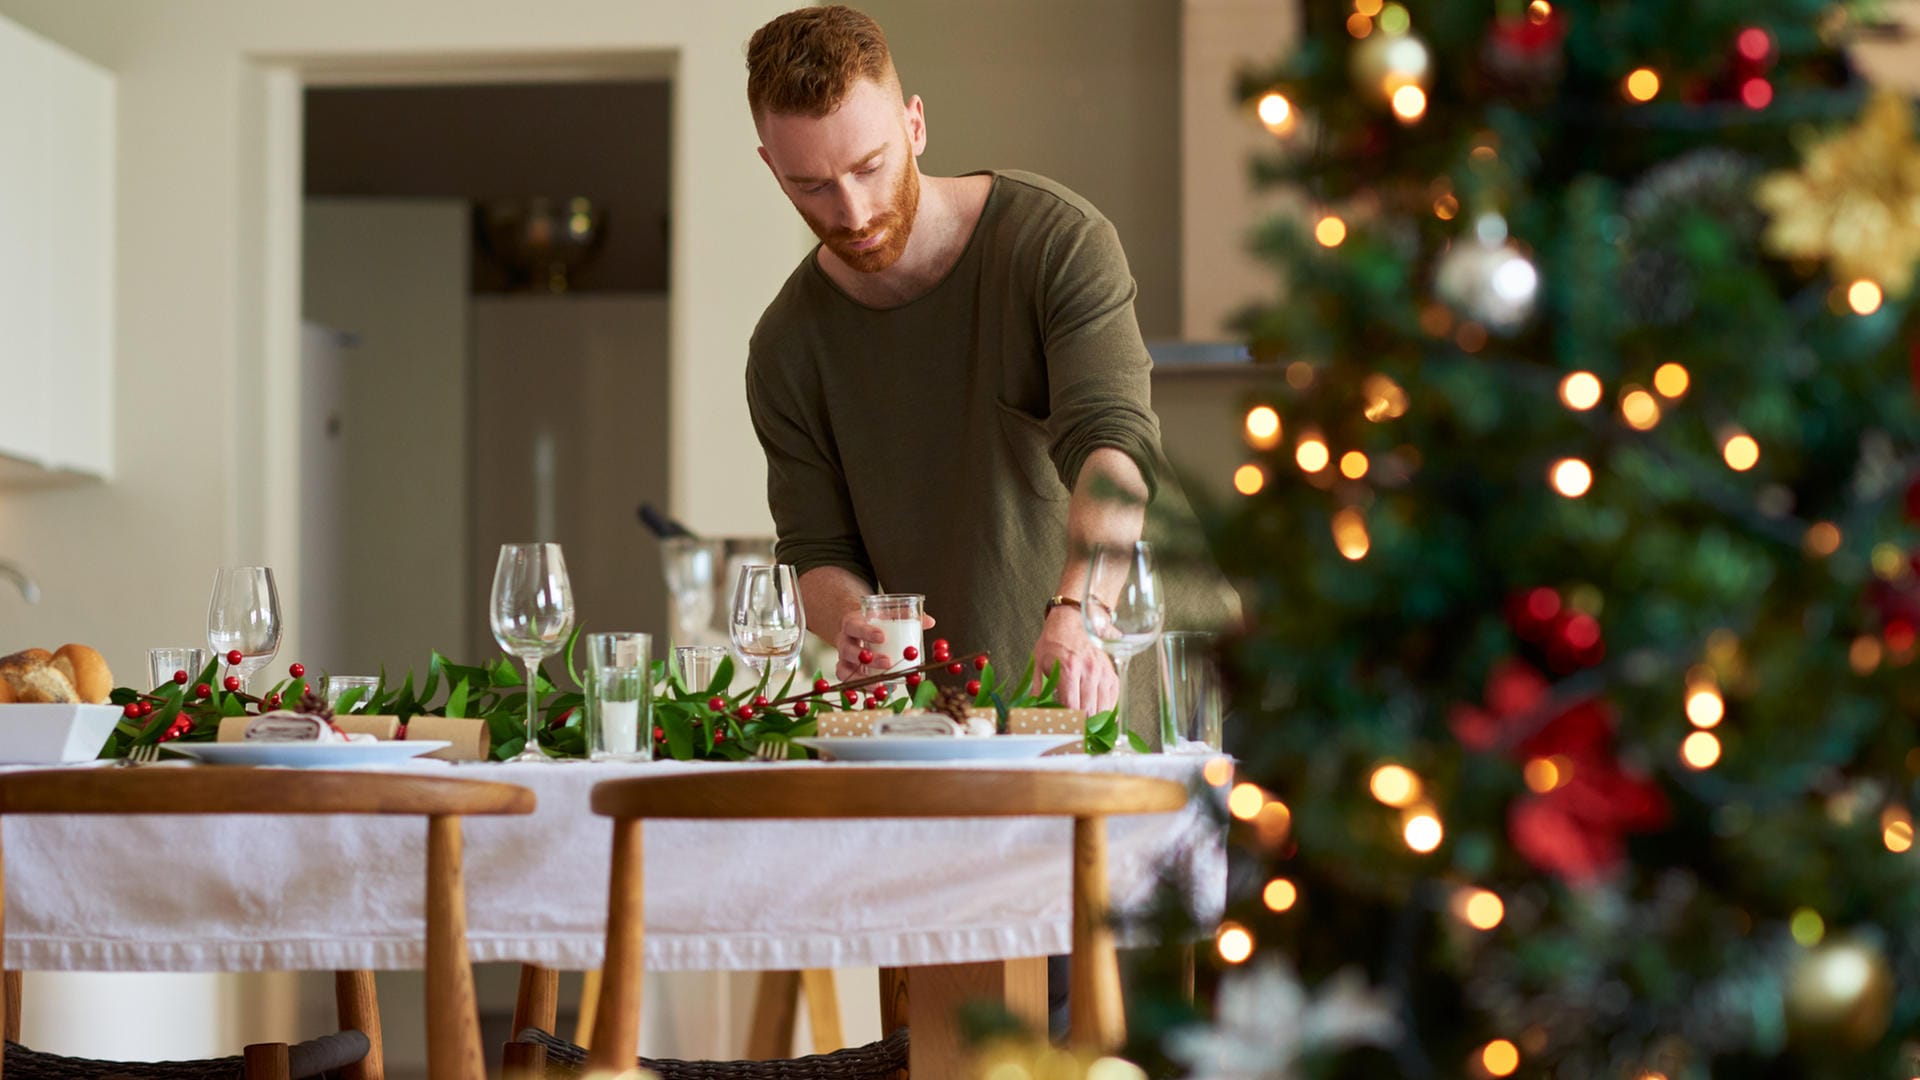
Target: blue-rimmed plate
(934,747)
(309,755)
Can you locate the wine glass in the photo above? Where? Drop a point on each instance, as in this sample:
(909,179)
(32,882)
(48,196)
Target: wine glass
(1123,611)
(768,620)
(531,613)
(244,617)
(689,564)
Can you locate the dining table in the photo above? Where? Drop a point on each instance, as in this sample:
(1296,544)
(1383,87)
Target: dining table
(969,907)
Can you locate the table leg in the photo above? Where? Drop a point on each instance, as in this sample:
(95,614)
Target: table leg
(936,993)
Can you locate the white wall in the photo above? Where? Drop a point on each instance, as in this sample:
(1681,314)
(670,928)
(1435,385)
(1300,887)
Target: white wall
(205,462)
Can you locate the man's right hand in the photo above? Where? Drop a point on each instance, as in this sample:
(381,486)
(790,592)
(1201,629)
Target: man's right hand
(856,633)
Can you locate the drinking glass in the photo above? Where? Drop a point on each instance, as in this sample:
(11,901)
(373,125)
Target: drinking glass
(1123,611)
(162,663)
(1189,692)
(334,687)
(697,665)
(897,617)
(768,620)
(244,614)
(689,565)
(619,697)
(531,612)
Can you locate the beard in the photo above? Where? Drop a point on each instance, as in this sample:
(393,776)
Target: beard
(896,222)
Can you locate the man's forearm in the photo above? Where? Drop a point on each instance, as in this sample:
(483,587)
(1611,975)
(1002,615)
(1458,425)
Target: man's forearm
(830,594)
(1108,506)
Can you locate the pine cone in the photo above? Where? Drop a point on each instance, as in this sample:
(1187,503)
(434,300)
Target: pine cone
(954,701)
(312,704)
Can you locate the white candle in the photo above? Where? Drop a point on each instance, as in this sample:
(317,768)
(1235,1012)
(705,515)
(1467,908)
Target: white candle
(620,726)
(899,633)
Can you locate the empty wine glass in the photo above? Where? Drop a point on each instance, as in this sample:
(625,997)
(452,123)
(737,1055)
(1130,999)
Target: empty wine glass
(1123,611)
(689,566)
(767,621)
(244,617)
(531,613)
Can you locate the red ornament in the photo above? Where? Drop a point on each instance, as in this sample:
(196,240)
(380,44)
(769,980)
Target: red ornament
(181,677)
(914,680)
(298,671)
(1754,44)
(956,668)
(800,710)
(821,686)
(866,656)
(910,653)
(1756,93)
(973,687)
(183,722)
(232,683)
(234,656)
(980,662)
(201,690)
(717,704)
(659,734)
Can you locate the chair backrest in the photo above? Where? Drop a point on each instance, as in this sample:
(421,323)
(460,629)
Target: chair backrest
(453,1022)
(772,792)
(813,792)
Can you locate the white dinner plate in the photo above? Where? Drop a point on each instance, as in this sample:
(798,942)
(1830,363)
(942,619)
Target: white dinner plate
(934,747)
(310,754)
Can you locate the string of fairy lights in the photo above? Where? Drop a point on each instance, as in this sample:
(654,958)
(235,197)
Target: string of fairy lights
(1394,63)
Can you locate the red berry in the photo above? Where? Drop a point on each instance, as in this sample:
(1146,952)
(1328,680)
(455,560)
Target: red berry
(973,687)
(956,668)
(980,662)
(298,671)
(717,703)
(821,686)
(232,683)
(132,711)
(940,644)
(146,708)
(800,710)
(180,677)
(880,692)
(202,690)
(910,653)
(745,712)
(720,736)
(914,680)
(184,723)
(759,701)
(866,656)
(872,702)
(851,696)
(659,734)
(234,657)
(273,701)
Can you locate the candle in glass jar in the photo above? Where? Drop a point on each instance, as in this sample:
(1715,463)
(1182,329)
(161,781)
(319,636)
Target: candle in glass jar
(620,722)
(898,634)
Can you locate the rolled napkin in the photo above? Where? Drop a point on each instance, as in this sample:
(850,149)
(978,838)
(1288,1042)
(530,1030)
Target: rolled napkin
(297,727)
(929,723)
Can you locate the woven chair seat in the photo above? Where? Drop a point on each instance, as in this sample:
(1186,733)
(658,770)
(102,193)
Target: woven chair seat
(874,1061)
(313,1058)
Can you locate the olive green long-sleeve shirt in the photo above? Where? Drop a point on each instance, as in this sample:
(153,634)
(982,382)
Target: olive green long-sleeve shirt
(932,447)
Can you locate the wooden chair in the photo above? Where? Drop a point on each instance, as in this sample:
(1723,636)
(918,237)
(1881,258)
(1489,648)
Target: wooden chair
(827,793)
(453,1023)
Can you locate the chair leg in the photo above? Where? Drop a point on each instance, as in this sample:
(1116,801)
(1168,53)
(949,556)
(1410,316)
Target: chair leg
(1099,1018)
(616,1026)
(524,1061)
(538,1002)
(453,1013)
(823,1009)
(13,1006)
(267,1061)
(358,1008)
(893,1000)
(775,1007)
(589,1005)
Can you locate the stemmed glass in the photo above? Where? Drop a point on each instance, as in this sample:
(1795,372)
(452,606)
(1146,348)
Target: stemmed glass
(244,615)
(689,565)
(768,621)
(531,614)
(1123,611)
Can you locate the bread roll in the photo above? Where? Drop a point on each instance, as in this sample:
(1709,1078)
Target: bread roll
(7,696)
(36,680)
(87,670)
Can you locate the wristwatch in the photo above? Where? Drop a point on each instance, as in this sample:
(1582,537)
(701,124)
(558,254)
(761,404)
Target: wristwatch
(1060,601)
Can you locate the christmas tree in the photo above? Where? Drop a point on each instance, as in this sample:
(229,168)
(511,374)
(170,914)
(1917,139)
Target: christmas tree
(1579,544)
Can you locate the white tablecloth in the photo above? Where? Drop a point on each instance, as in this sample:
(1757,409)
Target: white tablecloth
(320,893)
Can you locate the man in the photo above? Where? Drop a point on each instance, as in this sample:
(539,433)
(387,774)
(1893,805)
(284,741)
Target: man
(951,388)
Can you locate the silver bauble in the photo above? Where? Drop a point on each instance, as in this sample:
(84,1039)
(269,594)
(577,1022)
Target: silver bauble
(1484,277)
(1382,63)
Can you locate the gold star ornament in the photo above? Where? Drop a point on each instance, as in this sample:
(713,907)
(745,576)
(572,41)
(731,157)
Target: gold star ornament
(1855,201)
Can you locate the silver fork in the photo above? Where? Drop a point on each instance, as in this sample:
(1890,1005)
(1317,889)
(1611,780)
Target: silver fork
(768,750)
(142,755)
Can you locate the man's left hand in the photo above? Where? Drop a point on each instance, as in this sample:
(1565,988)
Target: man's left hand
(1087,678)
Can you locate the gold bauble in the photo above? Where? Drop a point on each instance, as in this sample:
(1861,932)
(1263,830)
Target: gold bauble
(1839,991)
(1382,63)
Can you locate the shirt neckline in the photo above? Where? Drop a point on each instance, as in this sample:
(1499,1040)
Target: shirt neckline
(966,252)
